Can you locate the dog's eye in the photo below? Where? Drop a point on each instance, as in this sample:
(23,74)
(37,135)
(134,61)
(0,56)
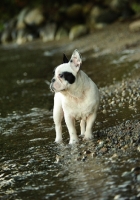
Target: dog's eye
(61,75)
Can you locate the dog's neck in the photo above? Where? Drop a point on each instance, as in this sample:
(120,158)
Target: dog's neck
(77,89)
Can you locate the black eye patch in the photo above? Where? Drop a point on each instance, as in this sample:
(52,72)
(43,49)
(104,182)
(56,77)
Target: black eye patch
(68,76)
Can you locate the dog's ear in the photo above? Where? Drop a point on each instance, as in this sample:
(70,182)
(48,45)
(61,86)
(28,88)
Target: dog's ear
(65,59)
(76,60)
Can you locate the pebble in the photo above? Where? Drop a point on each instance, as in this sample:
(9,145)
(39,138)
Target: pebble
(114,156)
(138,178)
(126,174)
(87,152)
(103,150)
(84,158)
(138,148)
(118,196)
(101,144)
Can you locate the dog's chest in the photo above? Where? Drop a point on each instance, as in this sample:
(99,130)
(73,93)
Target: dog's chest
(78,109)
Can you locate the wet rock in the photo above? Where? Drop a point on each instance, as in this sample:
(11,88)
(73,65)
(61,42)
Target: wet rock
(101,15)
(84,158)
(136,170)
(104,111)
(117,197)
(103,150)
(59,158)
(115,156)
(122,7)
(138,148)
(87,152)
(35,16)
(22,36)
(75,11)
(126,174)
(93,154)
(6,36)
(9,33)
(21,19)
(31,161)
(135,26)
(117,4)
(101,144)
(47,33)
(77,31)
(6,183)
(138,178)
(62,173)
(87,8)
(62,33)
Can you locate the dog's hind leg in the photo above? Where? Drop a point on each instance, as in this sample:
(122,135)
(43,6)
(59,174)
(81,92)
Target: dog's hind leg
(89,125)
(71,128)
(83,127)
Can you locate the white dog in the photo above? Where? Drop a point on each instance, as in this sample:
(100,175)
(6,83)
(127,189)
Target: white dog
(76,97)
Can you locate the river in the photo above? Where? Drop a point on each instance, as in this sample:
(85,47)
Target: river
(32,166)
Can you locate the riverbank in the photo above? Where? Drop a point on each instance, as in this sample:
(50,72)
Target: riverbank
(112,39)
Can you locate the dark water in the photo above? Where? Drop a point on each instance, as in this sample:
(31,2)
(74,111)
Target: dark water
(32,166)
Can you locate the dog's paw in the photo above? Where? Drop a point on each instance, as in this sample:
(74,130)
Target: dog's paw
(88,137)
(81,135)
(58,140)
(74,141)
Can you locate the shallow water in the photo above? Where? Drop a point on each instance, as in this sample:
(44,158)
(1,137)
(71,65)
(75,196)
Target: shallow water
(32,166)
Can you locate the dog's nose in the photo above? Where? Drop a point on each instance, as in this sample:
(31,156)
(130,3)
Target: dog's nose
(53,80)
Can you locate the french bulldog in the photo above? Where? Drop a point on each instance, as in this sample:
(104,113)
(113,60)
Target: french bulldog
(76,98)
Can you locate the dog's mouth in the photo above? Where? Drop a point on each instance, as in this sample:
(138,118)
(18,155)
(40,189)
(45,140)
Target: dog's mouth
(55,90)
(52,88)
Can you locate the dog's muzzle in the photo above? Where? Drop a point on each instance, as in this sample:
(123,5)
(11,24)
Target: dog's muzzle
(52,88)
(51,85)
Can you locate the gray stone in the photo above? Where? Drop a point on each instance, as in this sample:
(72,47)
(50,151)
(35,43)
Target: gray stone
(134,26)
(21,36)
(9,33)
(77,31)
(75,11)
(21,17)
(47,33)
(6,36)
(35,16)
(61,34)
(99,15)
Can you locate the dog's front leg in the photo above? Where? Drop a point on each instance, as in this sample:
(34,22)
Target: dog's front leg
(57,117)
(70,122)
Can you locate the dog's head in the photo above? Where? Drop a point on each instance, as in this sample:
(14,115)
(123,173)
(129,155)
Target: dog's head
(65,74)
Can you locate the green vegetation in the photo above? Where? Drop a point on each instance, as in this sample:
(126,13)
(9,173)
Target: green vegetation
(136,7)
